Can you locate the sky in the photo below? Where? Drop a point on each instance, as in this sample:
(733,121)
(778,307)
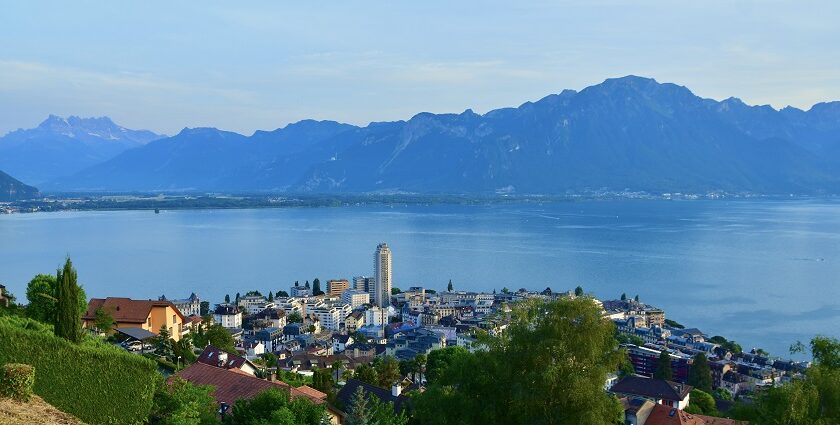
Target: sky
(244,66)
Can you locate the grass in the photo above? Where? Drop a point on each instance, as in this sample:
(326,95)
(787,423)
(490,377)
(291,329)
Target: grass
(34,411)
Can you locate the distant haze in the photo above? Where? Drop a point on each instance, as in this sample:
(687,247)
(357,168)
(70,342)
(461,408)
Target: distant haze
(242,67)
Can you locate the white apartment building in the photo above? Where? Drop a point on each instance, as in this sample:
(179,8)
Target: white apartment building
(376,316)
(228,316)
(355,298)
(300,291)
(251,302)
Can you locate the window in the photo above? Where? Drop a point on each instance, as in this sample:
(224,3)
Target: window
(173,318)
(149,321)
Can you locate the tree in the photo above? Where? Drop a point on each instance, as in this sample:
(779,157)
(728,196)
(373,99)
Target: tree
(163,342)
(180,402)
(505,290)
(700,374)
(702,403)
(253,293)
(103,320)
(388,372)
(68,318)
(395,290)
(358,413)
(623,296)
(40,294)
(316,287)
(283,294)
(227,298)
(420,360)
(237,298)
(579,291)
(663,367)
(366,373)
(204,308)
(274,407)
(547,368)
(306,285)
(270,296)
(636,298)
(216,336)
(295,317)
(449,287)
(439,361)
(367,410)
(322,380)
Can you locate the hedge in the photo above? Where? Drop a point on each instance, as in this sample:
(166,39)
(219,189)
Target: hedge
(97,383)
(16,381)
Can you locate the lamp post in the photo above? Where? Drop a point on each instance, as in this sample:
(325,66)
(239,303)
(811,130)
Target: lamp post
(178,363)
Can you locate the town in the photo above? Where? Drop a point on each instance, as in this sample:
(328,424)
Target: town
(328,341)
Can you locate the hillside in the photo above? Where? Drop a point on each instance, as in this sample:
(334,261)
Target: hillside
(625,133)
(11,189)
(35,411)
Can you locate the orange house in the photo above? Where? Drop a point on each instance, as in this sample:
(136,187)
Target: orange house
(127,313)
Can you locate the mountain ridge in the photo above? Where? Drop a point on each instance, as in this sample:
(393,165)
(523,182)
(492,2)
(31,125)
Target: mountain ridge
(625,133)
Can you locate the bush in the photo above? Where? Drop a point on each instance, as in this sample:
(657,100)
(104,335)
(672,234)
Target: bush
(97,383)
(16,381)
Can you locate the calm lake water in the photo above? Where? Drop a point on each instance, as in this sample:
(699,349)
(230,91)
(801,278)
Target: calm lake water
(765,273)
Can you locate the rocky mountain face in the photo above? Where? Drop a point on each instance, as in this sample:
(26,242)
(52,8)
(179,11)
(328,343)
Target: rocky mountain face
(63,146)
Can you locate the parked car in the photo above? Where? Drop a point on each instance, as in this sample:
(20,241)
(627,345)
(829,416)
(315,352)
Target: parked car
(133,345)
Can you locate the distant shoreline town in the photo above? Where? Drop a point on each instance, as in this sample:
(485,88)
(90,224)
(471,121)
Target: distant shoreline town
(186,201)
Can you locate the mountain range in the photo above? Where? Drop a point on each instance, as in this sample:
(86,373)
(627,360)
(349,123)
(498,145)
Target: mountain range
(628,133)
(61,147)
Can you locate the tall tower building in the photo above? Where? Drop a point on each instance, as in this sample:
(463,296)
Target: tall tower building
(382,275)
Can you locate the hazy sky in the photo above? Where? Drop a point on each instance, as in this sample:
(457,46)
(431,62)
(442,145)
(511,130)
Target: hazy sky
(253,65)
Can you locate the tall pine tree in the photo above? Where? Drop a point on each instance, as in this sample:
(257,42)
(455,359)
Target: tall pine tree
(700,374)
(663,367)
(67,316)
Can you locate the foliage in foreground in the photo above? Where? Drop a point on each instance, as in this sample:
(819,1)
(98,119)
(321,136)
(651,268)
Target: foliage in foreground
(16,381)
(276,408)
(182,403)
(549,367)
(814,400)
(96,382)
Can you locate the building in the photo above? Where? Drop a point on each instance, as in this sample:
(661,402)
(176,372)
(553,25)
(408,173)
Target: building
(271,338)
(376,316)
(659,391)
(354,321)
(300,291)
(148,315)
(645,360)
(230,386)
(271,317)
(254,303)
(336,286)
(366,284)
(382,275)
(393,398)
(329,317)
(217,357)
(355,298)
(645,412)
(188,307)
(228,316)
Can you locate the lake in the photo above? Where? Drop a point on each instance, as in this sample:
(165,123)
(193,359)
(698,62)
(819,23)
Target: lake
(764,273)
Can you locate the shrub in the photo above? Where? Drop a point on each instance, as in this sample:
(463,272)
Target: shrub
(16,381)
(97,383)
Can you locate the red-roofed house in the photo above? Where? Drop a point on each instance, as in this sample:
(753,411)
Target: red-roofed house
(145,314)
(233,384)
